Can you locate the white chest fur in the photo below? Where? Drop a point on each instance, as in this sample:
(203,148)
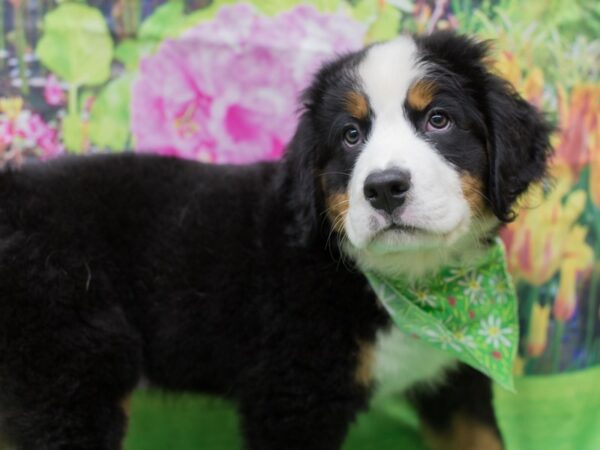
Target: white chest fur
(402,361)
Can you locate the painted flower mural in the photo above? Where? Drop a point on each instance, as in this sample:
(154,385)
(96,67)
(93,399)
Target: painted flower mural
(217,80)
(186,102)
(24,133)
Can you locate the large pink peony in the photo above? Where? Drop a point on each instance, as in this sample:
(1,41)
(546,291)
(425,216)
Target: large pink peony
(227,90)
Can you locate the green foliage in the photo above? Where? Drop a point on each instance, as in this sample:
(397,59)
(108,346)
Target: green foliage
(167,21)
(72,133)
(109,119)
(562,37)
(76,44)
(364,10)
(272,7)
(385,26)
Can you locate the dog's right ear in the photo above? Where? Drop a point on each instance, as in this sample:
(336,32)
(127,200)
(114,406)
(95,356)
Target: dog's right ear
(303,194)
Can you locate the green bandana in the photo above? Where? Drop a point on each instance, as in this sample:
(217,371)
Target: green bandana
(468,312)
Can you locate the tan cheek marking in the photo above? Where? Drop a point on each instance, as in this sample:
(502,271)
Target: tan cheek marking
(357,105)
(472,189)
(337,208)
(464,434)
(366,361)
(126,405)
(421,94)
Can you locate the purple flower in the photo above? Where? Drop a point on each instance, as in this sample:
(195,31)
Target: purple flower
(227,90)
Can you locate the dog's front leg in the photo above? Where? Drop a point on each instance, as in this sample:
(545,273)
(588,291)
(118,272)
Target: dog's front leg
(306,403)
(458,415)
(298,419)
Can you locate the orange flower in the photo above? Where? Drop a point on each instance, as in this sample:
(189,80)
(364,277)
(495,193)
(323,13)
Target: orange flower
(538,330)
(579,119)
(538,241)
(594,145)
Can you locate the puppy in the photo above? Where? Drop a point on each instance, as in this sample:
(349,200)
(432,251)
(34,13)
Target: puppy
(246,281)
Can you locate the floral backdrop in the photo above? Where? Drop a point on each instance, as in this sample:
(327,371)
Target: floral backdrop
(217,80)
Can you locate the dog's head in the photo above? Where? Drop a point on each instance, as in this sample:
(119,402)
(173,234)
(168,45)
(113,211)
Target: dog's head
(412,150)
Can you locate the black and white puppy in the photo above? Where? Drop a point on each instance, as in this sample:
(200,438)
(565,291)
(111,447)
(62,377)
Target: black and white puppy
(245,281)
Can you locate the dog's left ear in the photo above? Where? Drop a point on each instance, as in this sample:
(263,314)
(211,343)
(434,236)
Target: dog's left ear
(518,145)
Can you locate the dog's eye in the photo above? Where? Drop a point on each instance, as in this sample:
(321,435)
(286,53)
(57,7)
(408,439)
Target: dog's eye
(438,120)
(352,136)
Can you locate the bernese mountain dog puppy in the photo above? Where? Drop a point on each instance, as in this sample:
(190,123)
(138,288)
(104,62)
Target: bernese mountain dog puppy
(246,281)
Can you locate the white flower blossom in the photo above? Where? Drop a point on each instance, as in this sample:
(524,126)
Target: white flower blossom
(472,285)
(495,335)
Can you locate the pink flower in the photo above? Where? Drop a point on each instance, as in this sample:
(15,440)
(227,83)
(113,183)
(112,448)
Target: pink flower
(40,135)
(28,132)
(227,90)
(53,93)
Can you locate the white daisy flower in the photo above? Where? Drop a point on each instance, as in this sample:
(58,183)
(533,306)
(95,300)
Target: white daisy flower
(495,335)
(464,338)
(473,287)
(444,337)
(423,298)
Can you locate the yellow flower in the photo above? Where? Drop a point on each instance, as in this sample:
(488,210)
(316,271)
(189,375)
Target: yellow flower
(537,242)
(594,146)
(533,86)
(530,87)
(11,106)
(518,366)
(538,330)
(507,67)
(578,258)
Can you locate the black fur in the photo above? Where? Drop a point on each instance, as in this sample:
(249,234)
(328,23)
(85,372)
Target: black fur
(201,278)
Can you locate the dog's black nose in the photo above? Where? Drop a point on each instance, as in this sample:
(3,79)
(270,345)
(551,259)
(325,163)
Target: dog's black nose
(386,190)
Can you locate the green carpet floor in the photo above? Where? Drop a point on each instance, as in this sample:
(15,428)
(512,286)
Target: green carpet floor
(165,422)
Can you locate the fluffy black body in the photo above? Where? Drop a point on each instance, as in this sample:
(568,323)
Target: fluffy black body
(217,279)
(114,267)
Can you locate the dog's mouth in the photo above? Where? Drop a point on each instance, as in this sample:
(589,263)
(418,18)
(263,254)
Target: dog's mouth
(403,228)
(398,237)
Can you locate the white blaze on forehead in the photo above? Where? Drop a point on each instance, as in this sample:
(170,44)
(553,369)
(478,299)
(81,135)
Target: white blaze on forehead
(387,72)
(434,202)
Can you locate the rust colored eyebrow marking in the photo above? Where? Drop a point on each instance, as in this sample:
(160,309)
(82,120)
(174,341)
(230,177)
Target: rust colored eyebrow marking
(357,105)
(420,94)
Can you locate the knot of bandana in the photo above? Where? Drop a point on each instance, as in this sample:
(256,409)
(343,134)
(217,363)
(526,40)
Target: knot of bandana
(469,312)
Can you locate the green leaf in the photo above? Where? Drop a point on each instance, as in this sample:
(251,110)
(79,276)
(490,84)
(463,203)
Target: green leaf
(272,7)
(365,10)
(162,22)
(76,44)
(170,20)
(109,119)
(167,21)
(72,128)
(386,26)
(130,51)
